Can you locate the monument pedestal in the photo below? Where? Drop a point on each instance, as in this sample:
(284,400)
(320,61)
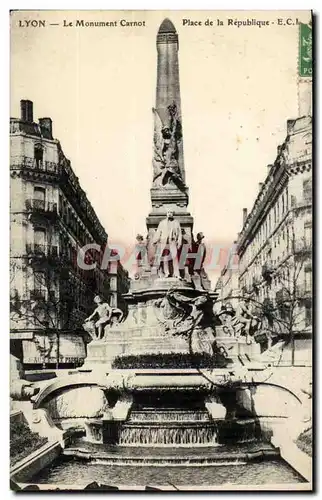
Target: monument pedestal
(158,323)
(102,353)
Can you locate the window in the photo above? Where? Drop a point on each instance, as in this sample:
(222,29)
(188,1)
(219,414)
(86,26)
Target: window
(39,193)
(307,190)
(39,197)
(39,280)
(283,204)
(308,234)
(65,212)
(308,280)
(287,238)
(293,201)
(40,239)
(61,210)
(308,315)
(39,290)
(277,211)
(38,153)
(286,197)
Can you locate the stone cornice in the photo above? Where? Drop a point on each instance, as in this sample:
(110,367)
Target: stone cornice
(267,242)
(77,196)
(282,168)
(271,189)
(35,175)
(286,220)
(299,167)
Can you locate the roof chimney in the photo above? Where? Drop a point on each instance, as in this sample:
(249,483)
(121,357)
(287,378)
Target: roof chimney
(244,215)
(260,185)
(46,127)
(26,109)
(290,125)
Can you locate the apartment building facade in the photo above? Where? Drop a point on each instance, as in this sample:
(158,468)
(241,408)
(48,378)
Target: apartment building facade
(51,220)
(227,286)
(275,245)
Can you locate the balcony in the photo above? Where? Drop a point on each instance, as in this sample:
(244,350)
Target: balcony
(41,207)
(29,163)
(43,295)
(304,204)
(42,253)
(303,292)
(267,272)
(302,248)
(37,294)
(268,246)
(304,296)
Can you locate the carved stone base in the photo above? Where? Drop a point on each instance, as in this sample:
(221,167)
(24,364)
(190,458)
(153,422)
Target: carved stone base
(236,347)
(94,430)
(103,353)
(77,402)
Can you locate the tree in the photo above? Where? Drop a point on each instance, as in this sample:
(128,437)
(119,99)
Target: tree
(294,298)
(279,304)
(58,300)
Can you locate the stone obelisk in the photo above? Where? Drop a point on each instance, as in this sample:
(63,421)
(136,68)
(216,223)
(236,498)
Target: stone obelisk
(169,190)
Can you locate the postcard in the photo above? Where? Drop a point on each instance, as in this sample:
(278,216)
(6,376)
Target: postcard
(161,250)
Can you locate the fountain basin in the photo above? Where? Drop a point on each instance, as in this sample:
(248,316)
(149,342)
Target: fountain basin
(172,456)
(75,475)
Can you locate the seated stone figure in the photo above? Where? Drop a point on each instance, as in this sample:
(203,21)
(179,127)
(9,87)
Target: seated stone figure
(107,315)
(242,322)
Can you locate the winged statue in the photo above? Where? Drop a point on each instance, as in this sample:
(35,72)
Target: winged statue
(167,135)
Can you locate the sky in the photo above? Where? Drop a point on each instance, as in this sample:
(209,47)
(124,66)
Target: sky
(239,85)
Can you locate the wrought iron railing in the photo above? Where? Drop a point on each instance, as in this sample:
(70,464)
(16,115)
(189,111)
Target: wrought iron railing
(302,246)
(42,294)
(41,205)
(37,294)
(39,249)
(27,162)
(267,270)
(304,291)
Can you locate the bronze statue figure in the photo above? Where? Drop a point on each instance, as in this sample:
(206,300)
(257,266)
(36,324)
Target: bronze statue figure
(168,240)
(167,136)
